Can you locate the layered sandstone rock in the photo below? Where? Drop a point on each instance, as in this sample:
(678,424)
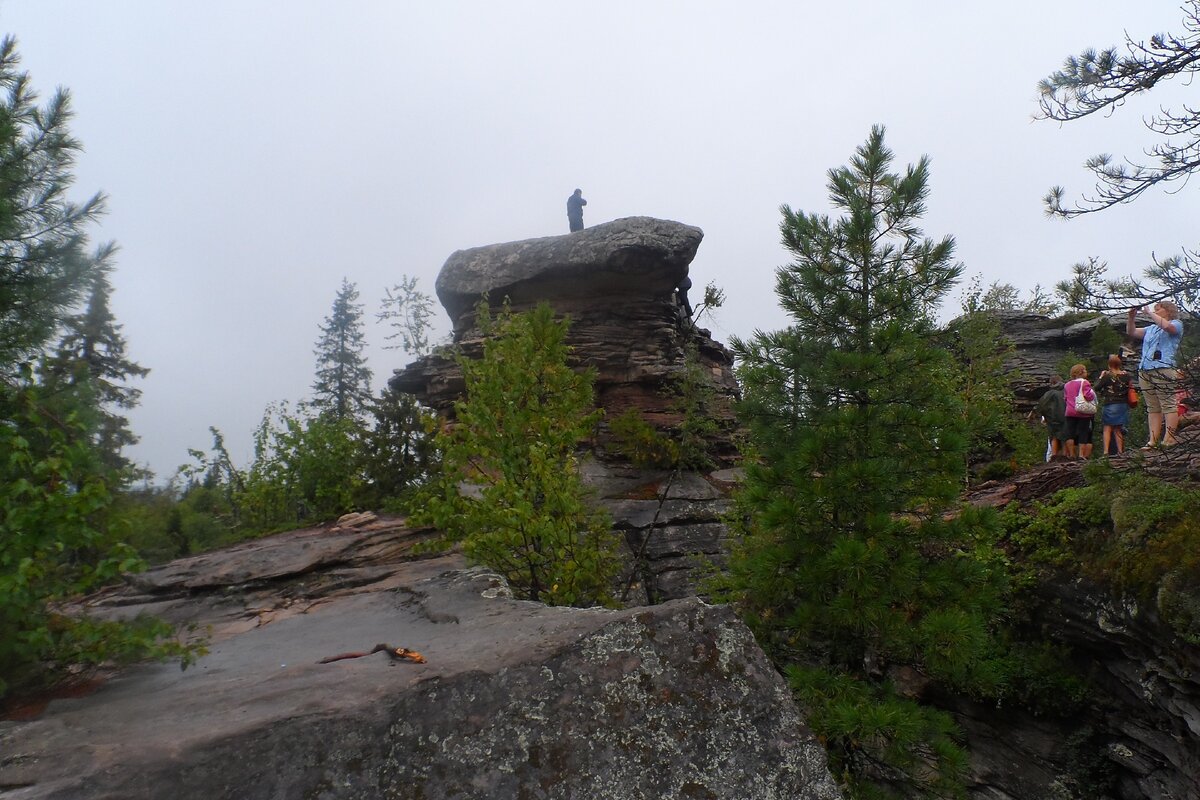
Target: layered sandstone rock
(616,282)
(1041,344)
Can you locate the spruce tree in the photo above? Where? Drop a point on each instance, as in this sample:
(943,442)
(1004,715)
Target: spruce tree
(856,448)
(91,354)
(343,382)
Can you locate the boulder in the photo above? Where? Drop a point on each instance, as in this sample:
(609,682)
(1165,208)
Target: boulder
(631,257)
(512,699)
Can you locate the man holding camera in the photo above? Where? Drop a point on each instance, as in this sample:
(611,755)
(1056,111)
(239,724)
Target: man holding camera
(1157,373)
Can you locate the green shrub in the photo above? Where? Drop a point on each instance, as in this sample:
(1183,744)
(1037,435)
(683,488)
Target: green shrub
(514,438)
(55,543)
(641,443)
(1134,534)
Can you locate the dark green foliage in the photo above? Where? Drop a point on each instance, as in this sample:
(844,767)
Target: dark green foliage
(343,383)
(984,385)
(54,498)
(91,353)
(858,438)
(307,467)
(44,263)
(1136,535)
(642,443)
(514,440)
(399,453)
(869,730)
(997,438)
(1104,342)
(315,463)
(61,432)
(1091,771)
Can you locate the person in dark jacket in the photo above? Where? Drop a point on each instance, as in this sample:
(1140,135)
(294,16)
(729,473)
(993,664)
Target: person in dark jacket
(1052,409)
(575,204)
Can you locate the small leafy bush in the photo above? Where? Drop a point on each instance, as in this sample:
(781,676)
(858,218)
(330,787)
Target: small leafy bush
(514,440)
(54,544)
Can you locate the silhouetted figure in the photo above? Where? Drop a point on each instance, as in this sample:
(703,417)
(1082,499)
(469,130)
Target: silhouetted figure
(681,291)
(575,204)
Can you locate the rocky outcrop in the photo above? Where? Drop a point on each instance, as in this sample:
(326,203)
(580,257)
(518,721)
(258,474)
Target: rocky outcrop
(673,524)
(633,258)
(1180,464)
(1136,736)
(1040,343)
(616,282)
(513,699)
(1147,729)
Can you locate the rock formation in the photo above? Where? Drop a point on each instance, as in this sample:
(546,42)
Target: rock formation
(514,699)
(616,283)
(1040,343)
(1141,727)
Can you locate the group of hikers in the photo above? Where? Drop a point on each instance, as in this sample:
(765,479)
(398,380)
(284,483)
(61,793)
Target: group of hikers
(1069,410)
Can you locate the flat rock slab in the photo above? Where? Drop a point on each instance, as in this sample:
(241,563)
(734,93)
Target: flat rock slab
(631,256)
(515,700)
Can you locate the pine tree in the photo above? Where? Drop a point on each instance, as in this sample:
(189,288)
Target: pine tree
(343,382)
(857,444)
(56,494)
(1100,83)
(44,263)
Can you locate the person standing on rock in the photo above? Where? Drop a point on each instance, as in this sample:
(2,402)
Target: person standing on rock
(1156,372)
(1078,428)
(1052,409)
(575,204)
(1113,386)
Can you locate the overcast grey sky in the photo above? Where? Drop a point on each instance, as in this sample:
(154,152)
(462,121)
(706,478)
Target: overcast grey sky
(255,153)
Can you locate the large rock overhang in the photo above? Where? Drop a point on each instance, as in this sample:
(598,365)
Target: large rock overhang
(634,256)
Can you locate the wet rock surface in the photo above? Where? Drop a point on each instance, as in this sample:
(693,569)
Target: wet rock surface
(515,699)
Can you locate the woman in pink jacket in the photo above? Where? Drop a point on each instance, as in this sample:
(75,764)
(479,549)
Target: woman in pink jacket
(1078,428)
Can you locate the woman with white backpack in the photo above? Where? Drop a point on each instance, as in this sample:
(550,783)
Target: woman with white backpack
(1081,409)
